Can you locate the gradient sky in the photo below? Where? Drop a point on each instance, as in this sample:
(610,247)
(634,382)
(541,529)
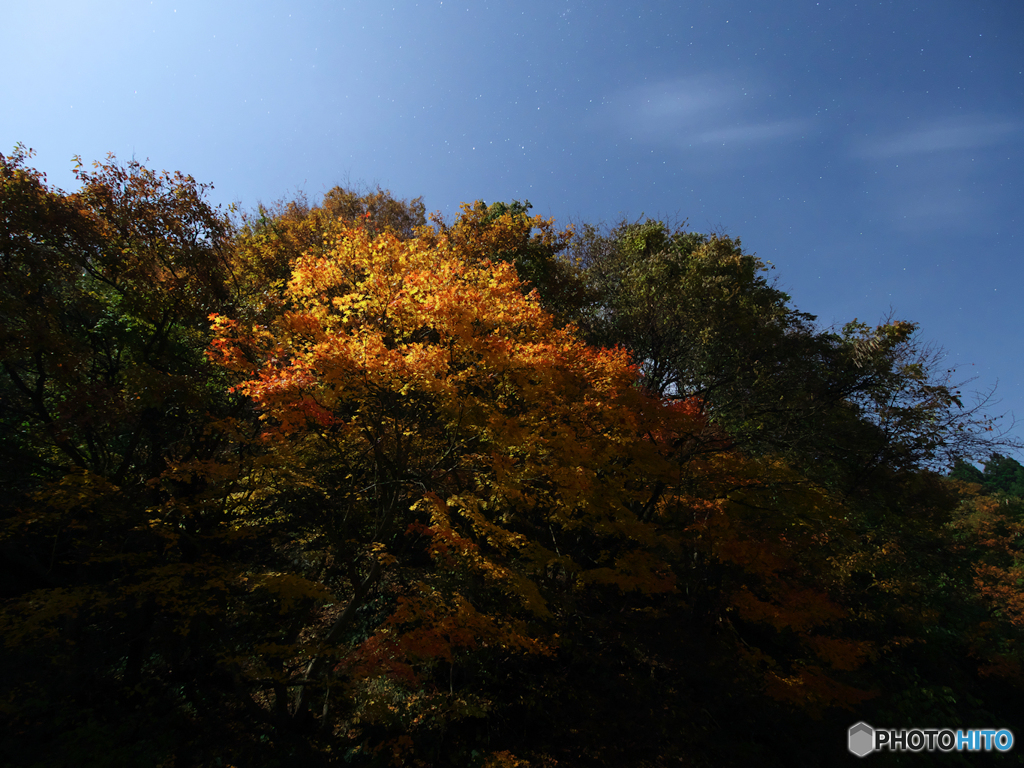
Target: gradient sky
(871,151)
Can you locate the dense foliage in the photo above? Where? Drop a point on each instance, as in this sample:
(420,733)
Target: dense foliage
(327,484)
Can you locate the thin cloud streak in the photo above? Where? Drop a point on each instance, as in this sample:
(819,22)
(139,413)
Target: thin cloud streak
(937,174)
(753,133)
(710,109)
(943,135)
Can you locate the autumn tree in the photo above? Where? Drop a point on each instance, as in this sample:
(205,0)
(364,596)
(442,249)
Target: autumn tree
(105,295)
(474,476)
(425,410)
(377,209)
(531,244)
(989,530)
(270,239)
(103,387)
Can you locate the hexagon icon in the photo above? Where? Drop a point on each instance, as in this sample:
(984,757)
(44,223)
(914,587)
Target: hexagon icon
(861,739)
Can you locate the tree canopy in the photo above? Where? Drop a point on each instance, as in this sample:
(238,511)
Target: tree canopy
(339,484)
(702,320)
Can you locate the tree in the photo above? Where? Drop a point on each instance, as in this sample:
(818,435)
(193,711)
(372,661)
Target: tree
(689,307)
(506,232)
(1002,474)
(104,391)
(105,295)
(442,442)
(378,210)
(269,241)
(969,473)
(988,530)
(702,320)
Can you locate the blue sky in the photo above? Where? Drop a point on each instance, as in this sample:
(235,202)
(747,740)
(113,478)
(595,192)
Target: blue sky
(872,151)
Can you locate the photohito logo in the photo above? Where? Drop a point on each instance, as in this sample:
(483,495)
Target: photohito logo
(862,739)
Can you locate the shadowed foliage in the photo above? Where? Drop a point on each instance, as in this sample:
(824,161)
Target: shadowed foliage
(327,485)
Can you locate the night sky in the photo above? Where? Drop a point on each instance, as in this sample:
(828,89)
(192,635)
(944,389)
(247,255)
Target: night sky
(871,151)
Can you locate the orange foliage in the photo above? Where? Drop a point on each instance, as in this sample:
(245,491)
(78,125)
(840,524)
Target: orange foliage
(467,424)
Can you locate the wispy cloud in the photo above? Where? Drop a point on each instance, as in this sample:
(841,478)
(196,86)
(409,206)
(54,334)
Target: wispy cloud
(685,100)
(942,135)
(942,173)
(943,207)
(701,111)
(752,133)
